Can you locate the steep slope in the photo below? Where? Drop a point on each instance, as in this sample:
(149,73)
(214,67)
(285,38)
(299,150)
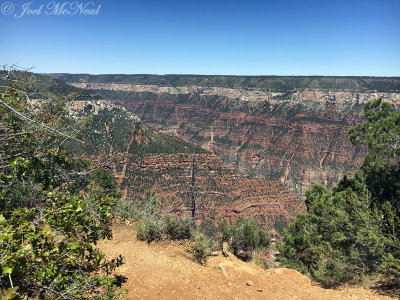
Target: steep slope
(165,271)
(289,129)
(141,158)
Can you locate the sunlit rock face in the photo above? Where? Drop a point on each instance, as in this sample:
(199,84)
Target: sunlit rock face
(141,159)
(289,129)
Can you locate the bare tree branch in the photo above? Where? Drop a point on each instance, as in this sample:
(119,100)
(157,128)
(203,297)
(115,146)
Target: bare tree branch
(39,124)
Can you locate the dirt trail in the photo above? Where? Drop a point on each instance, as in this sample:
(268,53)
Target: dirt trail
(164,270)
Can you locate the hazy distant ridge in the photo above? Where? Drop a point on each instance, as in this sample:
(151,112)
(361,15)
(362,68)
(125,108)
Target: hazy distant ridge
(271,83)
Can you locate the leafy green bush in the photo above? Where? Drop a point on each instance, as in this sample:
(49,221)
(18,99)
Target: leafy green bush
(52,211)
(247,235)
(339,241)
(224,229)
(153,225)
(165,226)
(180,228)
(244,236)
(150,229)
(202,249)
(337,270)
(300,249)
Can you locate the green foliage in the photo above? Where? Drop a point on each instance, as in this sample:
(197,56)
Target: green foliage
(150,230)
(180,228)
(247,235)
(202,249)
(301,247)
(103,178)
(244,236)
(165,226)
(224,229)
(8,294)
(52,210)
(391,265)
(153,225)
(352,231)
(340,240)
(381,131)
(381,173)
(139,208)
(382,179)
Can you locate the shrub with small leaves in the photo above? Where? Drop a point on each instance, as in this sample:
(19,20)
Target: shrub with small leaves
(53,211)
(139,208)
(180,228)
(244,236)
(203,247)
(151,229)
(164,226)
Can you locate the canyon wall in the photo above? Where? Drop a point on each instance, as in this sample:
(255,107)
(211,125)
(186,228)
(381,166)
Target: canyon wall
(291,131)
(141,158)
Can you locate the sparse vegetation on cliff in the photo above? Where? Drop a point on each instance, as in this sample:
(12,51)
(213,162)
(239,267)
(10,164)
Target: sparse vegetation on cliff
(155,226)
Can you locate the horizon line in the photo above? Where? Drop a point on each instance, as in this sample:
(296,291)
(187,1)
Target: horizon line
(215,75)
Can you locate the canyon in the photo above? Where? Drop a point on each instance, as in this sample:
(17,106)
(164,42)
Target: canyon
(287,129)
(141,159)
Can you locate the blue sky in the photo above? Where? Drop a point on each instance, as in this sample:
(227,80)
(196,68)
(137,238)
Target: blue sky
(285,37)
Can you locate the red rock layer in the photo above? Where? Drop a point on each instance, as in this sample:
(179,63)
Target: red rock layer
(287,142)
(219,193)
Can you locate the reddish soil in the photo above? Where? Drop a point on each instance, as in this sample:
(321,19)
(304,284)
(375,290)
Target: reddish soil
(164,270)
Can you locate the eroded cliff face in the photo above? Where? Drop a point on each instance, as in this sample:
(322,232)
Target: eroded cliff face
(297,137)
(142,159)
(281,142)
(219,193)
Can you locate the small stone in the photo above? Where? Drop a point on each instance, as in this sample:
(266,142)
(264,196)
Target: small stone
(259,290)
(223,269)
(229,284)
(249,283)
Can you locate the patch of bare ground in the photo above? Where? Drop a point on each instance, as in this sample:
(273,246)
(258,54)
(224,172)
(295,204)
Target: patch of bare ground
(164,270)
